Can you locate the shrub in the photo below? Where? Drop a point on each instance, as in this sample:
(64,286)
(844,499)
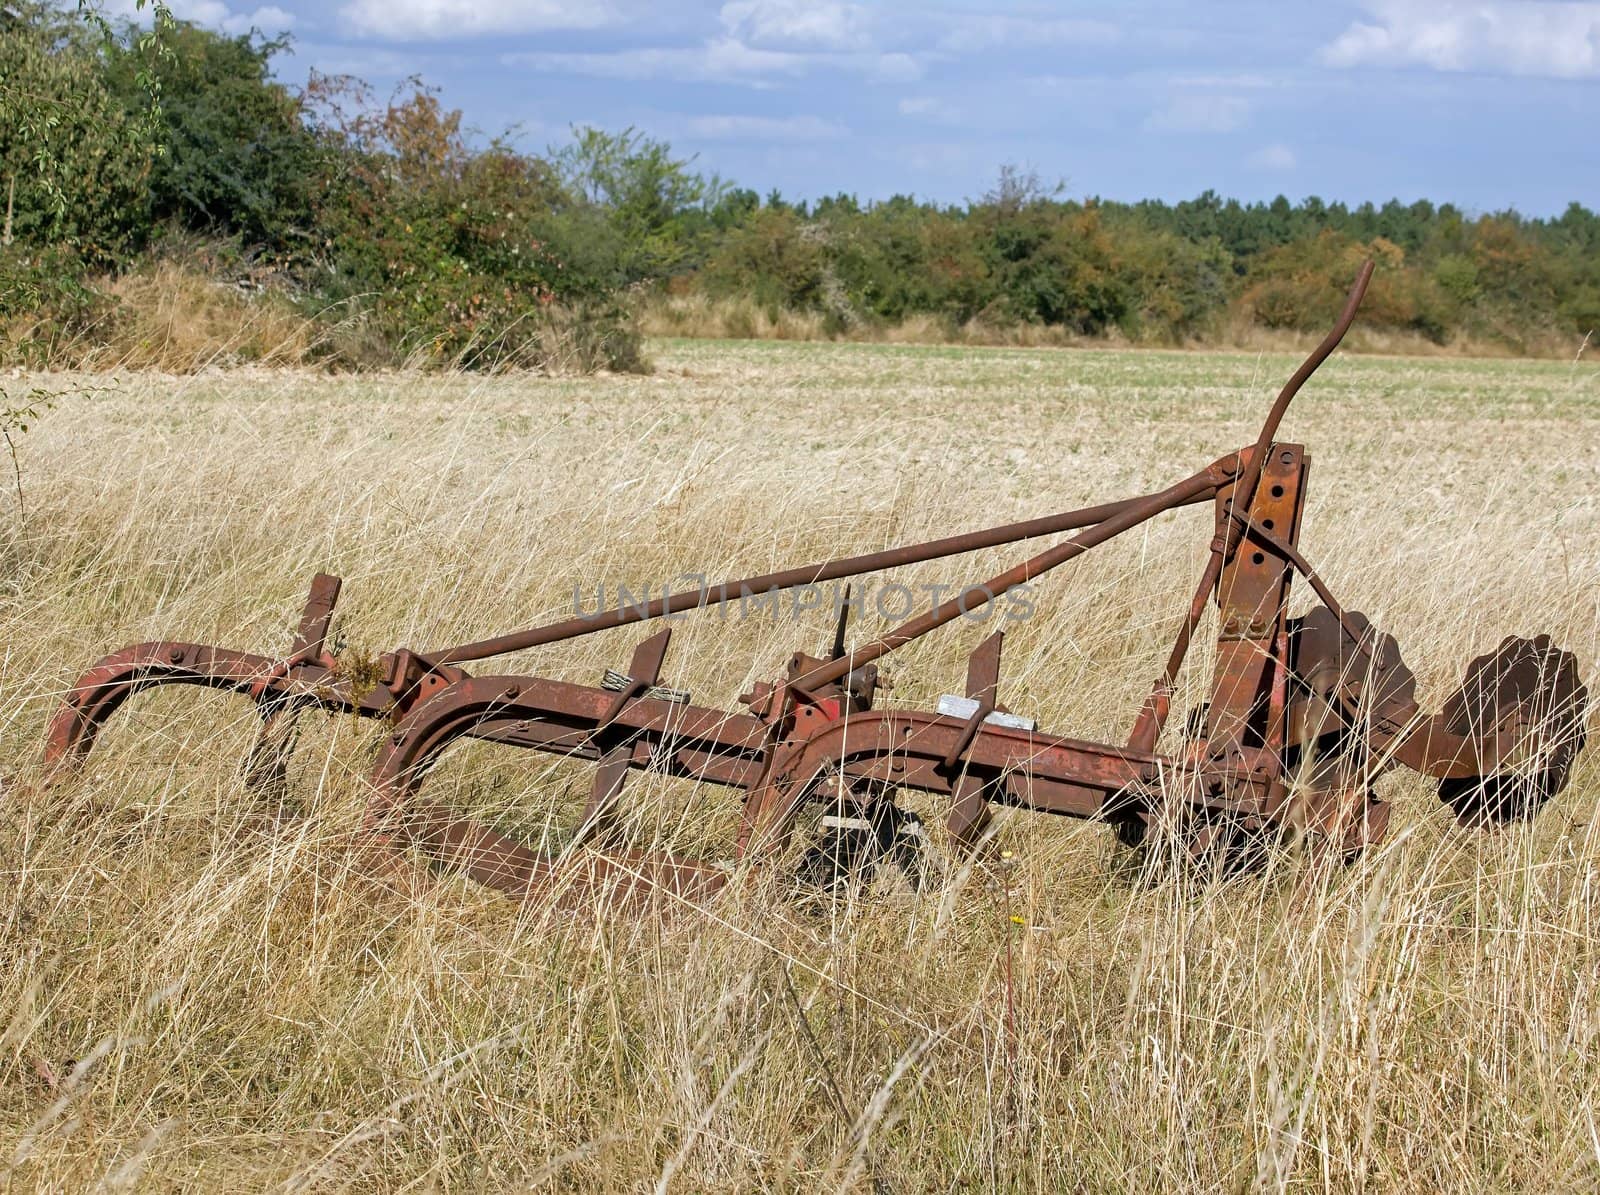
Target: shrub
(46,307)
(73,161)
(237,159)
(441,248)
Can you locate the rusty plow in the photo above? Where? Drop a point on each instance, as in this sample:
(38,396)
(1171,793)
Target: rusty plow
(1303,714)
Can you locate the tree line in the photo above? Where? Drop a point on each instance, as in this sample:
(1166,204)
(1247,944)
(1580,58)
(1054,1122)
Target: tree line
(381,221)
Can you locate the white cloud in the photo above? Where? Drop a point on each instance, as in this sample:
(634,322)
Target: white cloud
(1203,113)
(375,64)
(724,60)
(763,128)
(896,68)
(826,25)
(987,32)
(1235,82)
(1515,37)
(1273,157)
(409,20)
(213,14)
(927,107)
(760,41)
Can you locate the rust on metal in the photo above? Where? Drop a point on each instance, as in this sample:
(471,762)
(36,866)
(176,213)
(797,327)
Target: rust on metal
(1303,714)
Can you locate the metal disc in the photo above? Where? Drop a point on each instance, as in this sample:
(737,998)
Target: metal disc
(1529,690)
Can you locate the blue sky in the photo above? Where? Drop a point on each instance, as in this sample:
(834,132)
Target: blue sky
(1488,104)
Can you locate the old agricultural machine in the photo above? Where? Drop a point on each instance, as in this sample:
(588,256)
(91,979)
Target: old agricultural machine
(1303,714)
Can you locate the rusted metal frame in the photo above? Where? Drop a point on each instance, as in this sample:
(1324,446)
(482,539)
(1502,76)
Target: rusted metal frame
(1217,473)
(560,718)
(975,597)
(969,731)
(1250,685)
(1153,714)
(1042,773)
(644,672)
(1351,827)
(551,716)
(282,688)
(267,763)
(1252,595)
(1429,746)
(102,690)
(816,724)
(770,798)
(1363,638)
(611,770)
(898,748)
(983,686)
(1423,743)
(306,676)
(313,633)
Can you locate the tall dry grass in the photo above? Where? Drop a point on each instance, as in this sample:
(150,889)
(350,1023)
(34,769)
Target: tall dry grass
(192,997)
(171,317)
(176,320)
(175,314)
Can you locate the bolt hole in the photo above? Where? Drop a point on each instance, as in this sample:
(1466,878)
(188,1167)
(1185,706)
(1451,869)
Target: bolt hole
(1267,524)
(1258,558)
(1277,491)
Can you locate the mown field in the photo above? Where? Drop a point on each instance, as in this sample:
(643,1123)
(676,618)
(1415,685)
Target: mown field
(193,994)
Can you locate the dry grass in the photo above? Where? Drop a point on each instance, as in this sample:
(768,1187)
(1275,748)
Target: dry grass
(170,317)
(172,314)
(179,321)
(703,318)
(699,317)
(190,999)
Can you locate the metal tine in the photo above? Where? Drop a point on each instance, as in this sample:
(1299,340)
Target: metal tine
(969,810)
(611,772)
(841,627)
(266,764)
(983,670)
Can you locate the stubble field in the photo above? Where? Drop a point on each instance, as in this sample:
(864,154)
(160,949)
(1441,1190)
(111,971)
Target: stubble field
(193,994)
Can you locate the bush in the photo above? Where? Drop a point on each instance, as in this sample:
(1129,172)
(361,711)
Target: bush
(73,160)
(237,160)
(46,307)
(777,258)
(442,249)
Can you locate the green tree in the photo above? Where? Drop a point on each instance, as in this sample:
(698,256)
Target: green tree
(73,158)
(238,158)
(643,201)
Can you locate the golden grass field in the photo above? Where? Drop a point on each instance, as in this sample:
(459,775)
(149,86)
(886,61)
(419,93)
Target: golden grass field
(192,998)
